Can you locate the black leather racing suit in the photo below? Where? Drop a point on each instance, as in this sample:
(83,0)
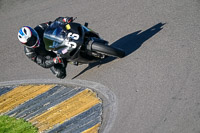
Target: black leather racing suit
(43,57)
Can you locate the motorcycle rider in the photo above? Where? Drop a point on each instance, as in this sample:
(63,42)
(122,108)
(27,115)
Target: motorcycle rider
(34,47)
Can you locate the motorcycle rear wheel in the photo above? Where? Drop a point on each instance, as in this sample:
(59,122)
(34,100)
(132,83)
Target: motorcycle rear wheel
(108,50)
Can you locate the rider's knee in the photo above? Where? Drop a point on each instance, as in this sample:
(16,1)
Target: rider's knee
(59,73)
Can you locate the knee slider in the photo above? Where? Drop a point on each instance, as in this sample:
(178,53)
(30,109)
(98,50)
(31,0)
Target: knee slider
(61,75)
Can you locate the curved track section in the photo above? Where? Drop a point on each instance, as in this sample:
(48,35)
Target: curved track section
(54,106)
(156,85)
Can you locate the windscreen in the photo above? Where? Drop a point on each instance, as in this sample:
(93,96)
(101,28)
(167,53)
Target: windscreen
(54,36)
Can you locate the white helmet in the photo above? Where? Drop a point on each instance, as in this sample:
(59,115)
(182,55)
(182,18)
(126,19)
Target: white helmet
(29,37)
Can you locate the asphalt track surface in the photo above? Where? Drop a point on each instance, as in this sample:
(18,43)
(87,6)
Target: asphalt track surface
(157,85)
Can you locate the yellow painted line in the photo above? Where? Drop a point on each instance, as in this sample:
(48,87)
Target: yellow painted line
(66,110)
(20,95)
(93,129)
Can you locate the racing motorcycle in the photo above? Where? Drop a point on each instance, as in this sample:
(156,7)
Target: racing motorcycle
(77,43)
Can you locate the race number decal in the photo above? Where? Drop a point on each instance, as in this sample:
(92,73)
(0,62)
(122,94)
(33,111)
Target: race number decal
(71,44)
(74,37)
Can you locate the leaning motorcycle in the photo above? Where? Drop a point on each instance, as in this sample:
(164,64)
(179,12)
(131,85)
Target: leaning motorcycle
(77,43)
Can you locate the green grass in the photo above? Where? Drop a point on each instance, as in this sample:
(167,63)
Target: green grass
(13,125)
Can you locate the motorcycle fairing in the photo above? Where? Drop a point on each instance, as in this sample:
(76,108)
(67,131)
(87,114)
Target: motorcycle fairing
(62,41)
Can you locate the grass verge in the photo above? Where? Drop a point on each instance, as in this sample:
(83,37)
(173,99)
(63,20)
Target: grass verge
(13,125)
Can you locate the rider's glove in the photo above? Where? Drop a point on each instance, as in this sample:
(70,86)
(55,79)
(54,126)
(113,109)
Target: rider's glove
(68,19)
(65,19)
(57,60)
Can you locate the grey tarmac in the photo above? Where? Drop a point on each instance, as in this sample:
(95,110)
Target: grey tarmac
(156,87)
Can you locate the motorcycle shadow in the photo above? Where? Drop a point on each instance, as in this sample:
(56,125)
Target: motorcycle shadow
(129,44)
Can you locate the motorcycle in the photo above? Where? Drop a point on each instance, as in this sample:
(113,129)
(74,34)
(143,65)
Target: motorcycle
(77,43)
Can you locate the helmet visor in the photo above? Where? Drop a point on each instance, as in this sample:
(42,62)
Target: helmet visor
(33,40)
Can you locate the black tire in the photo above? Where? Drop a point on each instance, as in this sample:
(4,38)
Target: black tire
(108,50)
